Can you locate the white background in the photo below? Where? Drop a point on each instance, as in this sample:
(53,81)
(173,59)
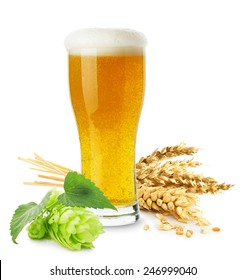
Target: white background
(195,88)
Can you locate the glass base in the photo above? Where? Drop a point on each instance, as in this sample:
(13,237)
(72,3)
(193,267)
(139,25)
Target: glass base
(124,216)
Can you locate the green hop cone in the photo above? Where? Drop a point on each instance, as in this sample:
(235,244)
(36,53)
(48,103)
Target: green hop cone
(73,227)
(37,229)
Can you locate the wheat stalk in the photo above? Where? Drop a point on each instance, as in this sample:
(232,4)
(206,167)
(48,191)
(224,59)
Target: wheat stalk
(155,169)
(167,152)
(194,183)
(173,201)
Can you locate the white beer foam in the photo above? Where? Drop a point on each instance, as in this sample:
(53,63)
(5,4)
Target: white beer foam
(104,41)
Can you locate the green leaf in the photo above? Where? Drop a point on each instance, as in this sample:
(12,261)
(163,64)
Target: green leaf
(74,179)
(82,192)
(25,214)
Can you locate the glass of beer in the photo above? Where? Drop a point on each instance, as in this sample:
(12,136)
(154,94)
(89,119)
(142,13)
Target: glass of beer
(107,80)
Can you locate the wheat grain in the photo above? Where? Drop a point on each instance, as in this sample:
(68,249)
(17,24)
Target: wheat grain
(216,229)
(146,227)
(166,226)
(189,233)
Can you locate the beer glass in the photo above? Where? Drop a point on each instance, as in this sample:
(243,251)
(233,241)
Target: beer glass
(107,80)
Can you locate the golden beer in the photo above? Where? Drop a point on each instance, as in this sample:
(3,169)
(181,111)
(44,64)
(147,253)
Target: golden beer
(107,89)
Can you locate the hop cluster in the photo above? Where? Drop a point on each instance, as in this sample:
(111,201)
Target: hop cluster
(72,227)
